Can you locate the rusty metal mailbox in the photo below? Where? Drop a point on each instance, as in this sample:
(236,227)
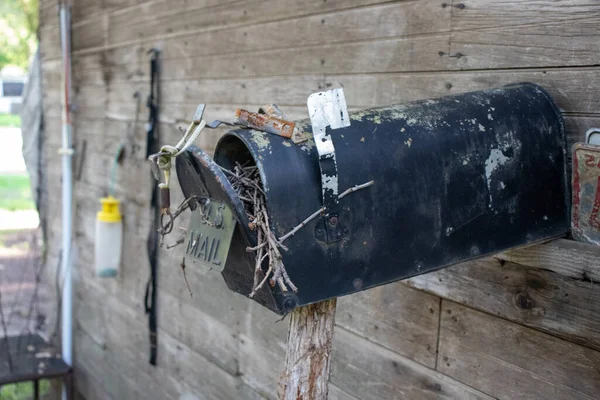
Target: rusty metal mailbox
(455,178)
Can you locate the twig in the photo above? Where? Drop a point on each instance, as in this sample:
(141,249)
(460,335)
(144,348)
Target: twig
(246,181)
(257,268)
(355,188)
(288,281)
(260,285)
(179,241)
(185,277)
(302,224)
(322,209)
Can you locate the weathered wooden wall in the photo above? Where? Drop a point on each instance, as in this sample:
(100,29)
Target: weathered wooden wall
(524,325)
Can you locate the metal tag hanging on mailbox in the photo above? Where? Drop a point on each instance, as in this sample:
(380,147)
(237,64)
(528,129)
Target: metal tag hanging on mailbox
(456,178)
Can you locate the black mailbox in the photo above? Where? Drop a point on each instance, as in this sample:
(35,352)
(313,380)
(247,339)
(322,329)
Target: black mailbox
(455,178)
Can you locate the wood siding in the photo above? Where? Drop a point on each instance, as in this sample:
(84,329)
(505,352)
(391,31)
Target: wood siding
(523,325)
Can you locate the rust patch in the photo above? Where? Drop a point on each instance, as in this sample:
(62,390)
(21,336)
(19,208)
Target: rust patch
(265,123)
(272,110)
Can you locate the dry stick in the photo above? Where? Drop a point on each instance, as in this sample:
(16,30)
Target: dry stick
(242,179)
(322,209)
(277,259)
(185,277)
(257,268)
(245,181)
(179,241)
(258,286)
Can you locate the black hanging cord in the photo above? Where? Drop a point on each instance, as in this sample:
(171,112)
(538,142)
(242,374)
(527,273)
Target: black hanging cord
(152,146)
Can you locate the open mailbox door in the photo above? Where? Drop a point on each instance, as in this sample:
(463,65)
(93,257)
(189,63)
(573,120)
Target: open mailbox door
(455,178)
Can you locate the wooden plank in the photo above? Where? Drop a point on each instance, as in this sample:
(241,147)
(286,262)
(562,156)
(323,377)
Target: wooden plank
(509,361)
(399,318)
(196,31)
(157,18)
(49,38)
(541,299)
(84,10)
(386,55)
(311,21)
(478,14)
(569,88)
(580,261)
(418,17)
(91,34)
(48,9)
(369,371)
(552,44)
(214,13)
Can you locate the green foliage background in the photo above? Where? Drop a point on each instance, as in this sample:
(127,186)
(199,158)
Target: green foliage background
(18,31)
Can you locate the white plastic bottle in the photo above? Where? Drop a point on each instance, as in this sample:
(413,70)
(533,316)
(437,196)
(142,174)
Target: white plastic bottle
(109,236)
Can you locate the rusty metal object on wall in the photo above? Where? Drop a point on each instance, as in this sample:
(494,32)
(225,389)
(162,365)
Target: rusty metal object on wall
(264,123)
(585,216)
(456,178)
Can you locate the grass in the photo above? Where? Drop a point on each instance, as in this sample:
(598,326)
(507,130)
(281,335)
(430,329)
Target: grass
(15,193)
(23,390)
(10,120)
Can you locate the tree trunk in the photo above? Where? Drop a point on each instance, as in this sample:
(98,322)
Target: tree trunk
(307,362)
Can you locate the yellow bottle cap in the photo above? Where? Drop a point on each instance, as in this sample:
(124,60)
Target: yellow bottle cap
(110,210)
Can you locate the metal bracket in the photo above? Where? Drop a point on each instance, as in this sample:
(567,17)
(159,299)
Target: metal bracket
(269,119)
(328,109)
(329,229)
(199,113)
(264,122)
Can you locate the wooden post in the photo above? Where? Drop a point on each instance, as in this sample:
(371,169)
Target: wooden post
(308,358)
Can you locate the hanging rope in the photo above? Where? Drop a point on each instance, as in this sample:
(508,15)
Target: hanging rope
(164,159)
